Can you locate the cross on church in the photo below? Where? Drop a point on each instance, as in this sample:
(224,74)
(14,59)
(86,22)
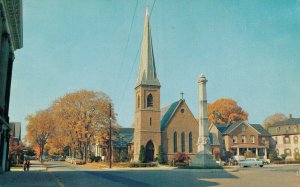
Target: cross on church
(181,95)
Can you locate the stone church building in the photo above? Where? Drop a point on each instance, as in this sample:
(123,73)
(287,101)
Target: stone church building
(174,127)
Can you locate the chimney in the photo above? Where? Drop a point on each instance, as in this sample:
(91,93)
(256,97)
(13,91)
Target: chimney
(290,116)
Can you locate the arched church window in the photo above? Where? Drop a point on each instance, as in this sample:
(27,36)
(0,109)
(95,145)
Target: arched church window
(190,142)
(139,101)
(175,142)
(150,100)
(182,142)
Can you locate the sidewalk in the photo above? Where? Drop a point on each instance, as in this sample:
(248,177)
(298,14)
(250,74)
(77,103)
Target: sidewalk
(35,165)
(36,176)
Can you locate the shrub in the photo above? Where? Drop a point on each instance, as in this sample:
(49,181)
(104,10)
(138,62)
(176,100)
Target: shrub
(273,156)
(160,155)
(249,154)
(227,156)
(97,158)
(138,165)
(283,156)
(142,157)
(92,158)
(181,157)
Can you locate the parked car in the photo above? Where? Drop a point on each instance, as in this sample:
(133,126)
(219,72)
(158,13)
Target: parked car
(251,162)
(233,162)
(265,161)
(70,159)
(78,161)
(61,159)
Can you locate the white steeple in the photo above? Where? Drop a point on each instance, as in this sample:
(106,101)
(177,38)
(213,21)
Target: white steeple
(147,71)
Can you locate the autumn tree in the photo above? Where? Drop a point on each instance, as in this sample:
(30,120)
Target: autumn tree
(225,111)
(39,129)
(274,119)
(83,118)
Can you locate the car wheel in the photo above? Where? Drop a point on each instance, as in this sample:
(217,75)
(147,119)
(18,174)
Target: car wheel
(261,166)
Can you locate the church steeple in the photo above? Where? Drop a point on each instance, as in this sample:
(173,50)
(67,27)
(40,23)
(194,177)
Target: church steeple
(147,71)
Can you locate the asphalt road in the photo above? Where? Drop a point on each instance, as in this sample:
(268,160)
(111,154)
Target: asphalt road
(66,175)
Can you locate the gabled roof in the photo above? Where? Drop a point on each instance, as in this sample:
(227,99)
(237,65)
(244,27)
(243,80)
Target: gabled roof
(260,129)
(231,127)
(222,127)
(167,112)
(257,127)
(124,137)
(290,121)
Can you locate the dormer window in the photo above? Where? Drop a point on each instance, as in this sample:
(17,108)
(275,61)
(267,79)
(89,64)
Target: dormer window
(150,100)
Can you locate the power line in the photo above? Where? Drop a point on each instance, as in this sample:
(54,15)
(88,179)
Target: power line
(133,63)
(128,38)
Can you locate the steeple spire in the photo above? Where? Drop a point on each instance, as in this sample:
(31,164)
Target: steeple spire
(147,71)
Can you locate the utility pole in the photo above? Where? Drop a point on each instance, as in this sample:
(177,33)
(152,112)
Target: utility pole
(110,144)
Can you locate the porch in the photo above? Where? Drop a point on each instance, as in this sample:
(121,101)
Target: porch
(240,150)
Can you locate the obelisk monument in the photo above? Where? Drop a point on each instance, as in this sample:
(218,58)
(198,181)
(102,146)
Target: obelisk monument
(203,157)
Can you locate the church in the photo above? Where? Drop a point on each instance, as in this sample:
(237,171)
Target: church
(174,127)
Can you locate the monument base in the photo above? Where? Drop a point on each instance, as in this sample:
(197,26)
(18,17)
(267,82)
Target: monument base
(205,160)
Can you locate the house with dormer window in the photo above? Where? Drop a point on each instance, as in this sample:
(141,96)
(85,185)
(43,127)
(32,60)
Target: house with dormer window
(285,138)
(238,138)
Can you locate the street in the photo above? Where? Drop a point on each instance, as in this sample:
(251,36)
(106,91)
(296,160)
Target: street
(63,174)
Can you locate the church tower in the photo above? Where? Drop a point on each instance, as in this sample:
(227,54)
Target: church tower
(147,100)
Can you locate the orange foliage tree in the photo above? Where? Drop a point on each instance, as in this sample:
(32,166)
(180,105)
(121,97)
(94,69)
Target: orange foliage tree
(39,129)
(74,121)
(274,119)
(83,118)
(225,111)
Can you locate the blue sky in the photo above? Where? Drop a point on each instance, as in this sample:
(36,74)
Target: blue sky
(248,50)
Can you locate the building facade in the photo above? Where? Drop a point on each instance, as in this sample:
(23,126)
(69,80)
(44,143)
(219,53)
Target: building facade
(173,127)
(286,138)
(238,138)
(11,39)
(180,130)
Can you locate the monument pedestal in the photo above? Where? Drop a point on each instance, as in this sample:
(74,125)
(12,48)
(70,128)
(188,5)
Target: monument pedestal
(204,159)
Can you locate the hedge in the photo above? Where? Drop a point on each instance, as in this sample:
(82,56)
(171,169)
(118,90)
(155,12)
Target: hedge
(140,165)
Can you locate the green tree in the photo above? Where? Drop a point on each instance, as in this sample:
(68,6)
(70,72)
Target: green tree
(142,157)
(160,155)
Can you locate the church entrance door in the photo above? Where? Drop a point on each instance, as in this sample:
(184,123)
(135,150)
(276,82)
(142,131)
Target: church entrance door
(149,151)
